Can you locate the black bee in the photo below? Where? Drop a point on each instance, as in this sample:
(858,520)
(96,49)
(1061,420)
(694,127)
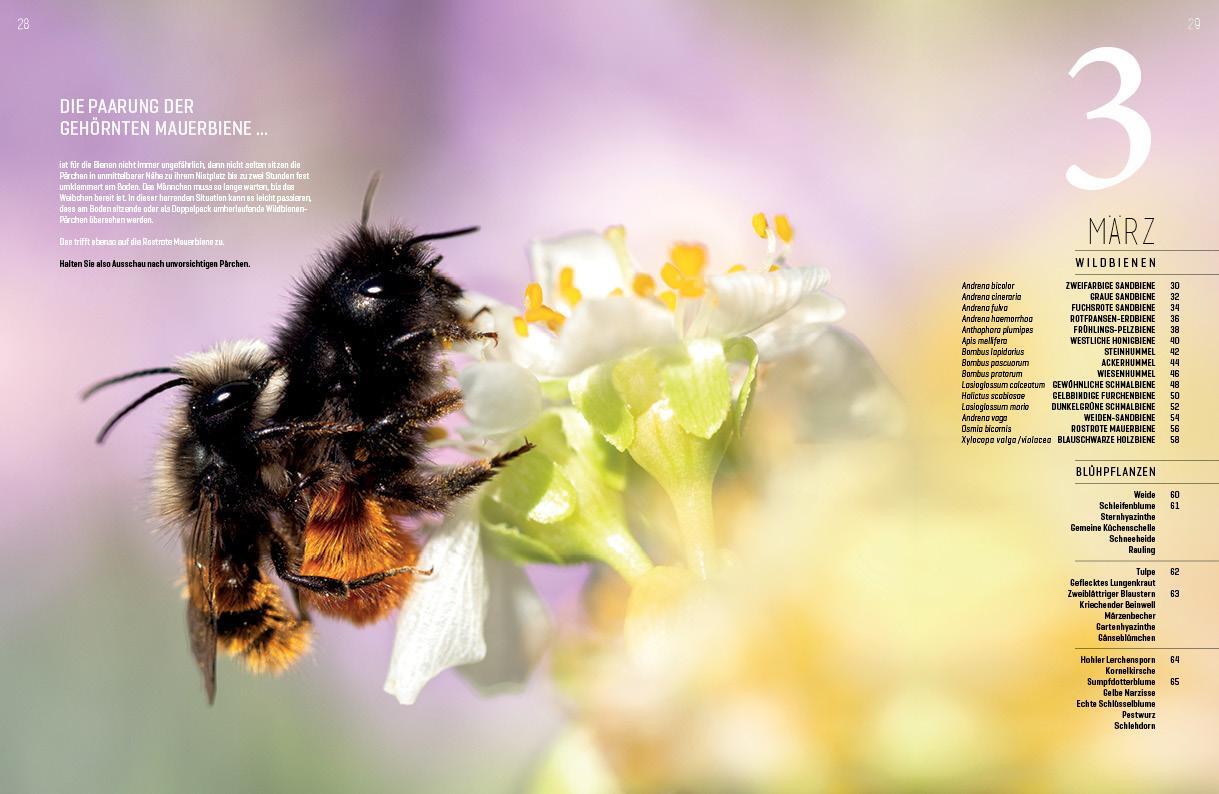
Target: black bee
(306,456)
(362,346)
(220,477)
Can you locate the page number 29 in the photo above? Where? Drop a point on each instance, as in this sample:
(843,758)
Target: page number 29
(1136,127)
(23,23)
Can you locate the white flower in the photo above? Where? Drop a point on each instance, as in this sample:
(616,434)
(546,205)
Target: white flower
(469,611)
(590,303)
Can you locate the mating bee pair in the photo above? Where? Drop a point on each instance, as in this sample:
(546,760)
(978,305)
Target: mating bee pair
(304,453)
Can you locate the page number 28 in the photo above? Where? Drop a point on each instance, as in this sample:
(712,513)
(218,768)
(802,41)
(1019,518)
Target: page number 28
(23,23)
(1136,127)
(1193,23)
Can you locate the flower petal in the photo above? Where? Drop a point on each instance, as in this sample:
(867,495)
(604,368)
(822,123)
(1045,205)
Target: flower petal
(500,397)
(441,623)
(741,302)
(517,630)
(608,328)
(594,263)
(840,389)
(533,352)
(798,328)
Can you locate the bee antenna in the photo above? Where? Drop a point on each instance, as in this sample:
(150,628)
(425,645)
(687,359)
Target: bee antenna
(139,373)
(368,196)
(423,238)
(153,392)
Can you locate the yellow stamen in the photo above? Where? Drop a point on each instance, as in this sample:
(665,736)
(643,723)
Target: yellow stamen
(669,298)
(671,275)
(783,228)
(544,314)
(567,286)
(684,271)
(522,327)
(737,269)
(435,433)
(689,258)
(643,285)
(539,314)
(773,268)
(533,296)
(759,224)
(616,292)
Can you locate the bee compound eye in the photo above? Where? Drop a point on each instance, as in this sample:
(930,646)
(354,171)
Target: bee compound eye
(229,396)
(388,286)
(377,286)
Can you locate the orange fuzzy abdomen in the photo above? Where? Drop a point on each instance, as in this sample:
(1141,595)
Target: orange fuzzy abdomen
(252,620)
(349,536)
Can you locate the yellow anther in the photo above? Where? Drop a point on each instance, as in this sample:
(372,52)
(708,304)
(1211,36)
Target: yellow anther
(435,433)
(783,228)
(689,258)
(737,269)
(567,286)
(669,298)
(692,288)
(533,296)
(759,224)
(773,268)
(570,294)
(671,275)
(616,292)
(545,314)
(522,327)
(643,285)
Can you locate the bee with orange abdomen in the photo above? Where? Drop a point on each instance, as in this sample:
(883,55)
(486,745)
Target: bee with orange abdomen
(220,477)
(363,346)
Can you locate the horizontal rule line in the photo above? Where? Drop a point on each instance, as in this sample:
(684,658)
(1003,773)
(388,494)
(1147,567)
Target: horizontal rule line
(1145,648)
(1146,562)
(1147,460)
(1146,251)
(1136,482)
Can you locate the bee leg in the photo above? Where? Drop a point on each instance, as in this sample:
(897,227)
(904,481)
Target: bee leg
(381,576)
(319,584)
(426,412)
(449,332)
(309,428)
(327,585)
(434,491)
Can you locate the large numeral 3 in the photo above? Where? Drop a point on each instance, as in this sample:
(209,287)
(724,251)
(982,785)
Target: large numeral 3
(1135,125)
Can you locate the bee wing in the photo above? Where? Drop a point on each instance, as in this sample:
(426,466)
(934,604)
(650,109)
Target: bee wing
(201,601)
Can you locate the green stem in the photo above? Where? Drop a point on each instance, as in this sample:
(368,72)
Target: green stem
(624,554)
(696,527)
